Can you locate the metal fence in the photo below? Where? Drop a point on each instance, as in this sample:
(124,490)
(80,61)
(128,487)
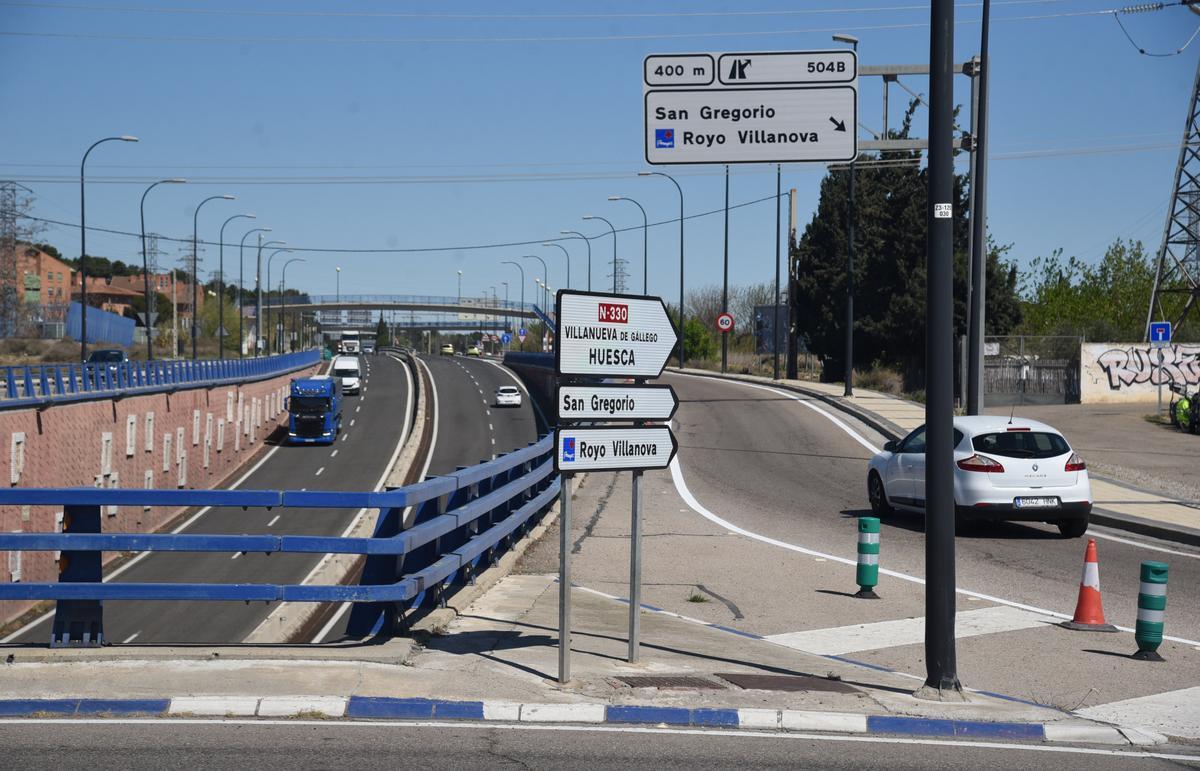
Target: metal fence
(460,522)
(42,384)
(1031,369)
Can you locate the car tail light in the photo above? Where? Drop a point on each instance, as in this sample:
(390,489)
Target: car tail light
(1017,428)
(980,463)
(1075,463)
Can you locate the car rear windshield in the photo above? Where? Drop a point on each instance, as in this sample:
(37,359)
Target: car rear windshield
(507,390)
(346,372)
(1021,444)
(106,356)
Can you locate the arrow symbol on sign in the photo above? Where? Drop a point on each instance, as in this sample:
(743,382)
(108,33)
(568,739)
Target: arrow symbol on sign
(837,124)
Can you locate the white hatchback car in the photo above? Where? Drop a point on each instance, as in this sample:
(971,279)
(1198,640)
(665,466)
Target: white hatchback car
(508,396)
(1006,469)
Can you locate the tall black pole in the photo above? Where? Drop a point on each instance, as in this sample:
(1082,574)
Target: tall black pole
(775,310)
(850,218)
(941,667)
(195,270)
(725,282)
(978,308)
(83,244)
(682,328)
(221,285)
(150,306)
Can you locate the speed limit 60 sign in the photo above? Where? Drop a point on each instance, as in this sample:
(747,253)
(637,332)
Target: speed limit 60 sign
(725,322)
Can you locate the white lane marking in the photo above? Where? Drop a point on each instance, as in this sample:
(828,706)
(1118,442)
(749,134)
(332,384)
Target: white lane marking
(130,638)
(686,494)
(1129,542)
(273,520)
(345,436)
(333,454)
(50,614)
(489,412)
(836,641)
(405,435)
(235,555)
(1175,712)
(488,725)
(358,408)
(352,422)
(320,471)
(491,427)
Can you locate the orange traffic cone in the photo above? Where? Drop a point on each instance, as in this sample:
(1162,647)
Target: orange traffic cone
(1089,609)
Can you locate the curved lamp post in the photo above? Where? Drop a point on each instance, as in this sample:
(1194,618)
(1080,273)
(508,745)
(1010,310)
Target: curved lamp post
(545,277)
(645,239)
(221,284)
(614,235)
(83,243)
(195,270)
(588,241)
(680,190)
(258,294)
(283,298)
(146,268)
(269,258)
(242,286)
(565,254)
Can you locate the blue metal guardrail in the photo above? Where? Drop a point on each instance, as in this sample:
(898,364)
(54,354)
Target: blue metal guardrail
(43,384)
(461,520)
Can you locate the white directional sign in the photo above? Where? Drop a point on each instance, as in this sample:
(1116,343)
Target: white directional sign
(616,402)
(612,449)
(764,107)
(608,335)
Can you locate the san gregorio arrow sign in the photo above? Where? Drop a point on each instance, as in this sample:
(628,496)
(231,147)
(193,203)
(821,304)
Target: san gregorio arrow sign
(612,335)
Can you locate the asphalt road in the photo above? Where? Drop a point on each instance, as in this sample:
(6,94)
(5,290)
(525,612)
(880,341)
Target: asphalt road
(372,423)
(341,744)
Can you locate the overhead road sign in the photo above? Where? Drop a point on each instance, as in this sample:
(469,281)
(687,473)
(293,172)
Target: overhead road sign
(612,449)
(1160,334)
(611,335)
(616,402)
(756,107)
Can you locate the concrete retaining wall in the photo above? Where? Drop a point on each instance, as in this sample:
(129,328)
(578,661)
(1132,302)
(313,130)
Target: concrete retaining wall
(1129,372)
(193,439)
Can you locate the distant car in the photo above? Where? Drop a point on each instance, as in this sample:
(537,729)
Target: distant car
(347,370)
(368,347)
(1005,469)
(113,357)
(508,396)
(447,350)
(473,350)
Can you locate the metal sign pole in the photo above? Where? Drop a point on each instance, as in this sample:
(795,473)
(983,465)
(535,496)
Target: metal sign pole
(1160,379)
(635,569)
(564,579)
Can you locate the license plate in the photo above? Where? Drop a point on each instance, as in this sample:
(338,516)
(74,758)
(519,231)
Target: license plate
(1036,503)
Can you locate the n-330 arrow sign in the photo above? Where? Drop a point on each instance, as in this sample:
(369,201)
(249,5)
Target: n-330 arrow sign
(611,335)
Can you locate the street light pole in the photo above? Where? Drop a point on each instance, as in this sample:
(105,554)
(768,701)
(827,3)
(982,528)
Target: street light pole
(851,215)
(645,240)
(258,294)
(195,270)
(545,278)
(242,285)
(146,268)
(460,287)
(588,241)
(681,314)
(83,243)
(614,235)
(518,266)
(283,297)
(567,255)
(271,257)
(507,317)
(221,285)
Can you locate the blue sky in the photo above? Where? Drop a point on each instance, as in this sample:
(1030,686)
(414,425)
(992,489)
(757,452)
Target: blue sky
(427,125)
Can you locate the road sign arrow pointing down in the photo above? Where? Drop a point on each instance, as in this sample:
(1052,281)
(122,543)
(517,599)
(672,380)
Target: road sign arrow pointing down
(838,125)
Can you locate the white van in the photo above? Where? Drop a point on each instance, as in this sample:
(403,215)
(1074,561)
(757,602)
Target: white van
(346,369)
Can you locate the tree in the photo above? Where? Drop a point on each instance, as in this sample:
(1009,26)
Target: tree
(889,270)
(382,335)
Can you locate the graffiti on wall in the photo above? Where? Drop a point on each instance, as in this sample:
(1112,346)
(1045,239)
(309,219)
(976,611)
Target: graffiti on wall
(1138,364)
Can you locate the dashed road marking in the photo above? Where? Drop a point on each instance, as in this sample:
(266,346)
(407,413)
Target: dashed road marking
(130,638)
(274,520)
(236,554)
(333,454)
(320,471)
(358,408)
(345,436)
(352,421)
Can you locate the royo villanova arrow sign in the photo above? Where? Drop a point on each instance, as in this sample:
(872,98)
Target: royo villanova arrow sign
(612,449)
(616,402)
(611,335)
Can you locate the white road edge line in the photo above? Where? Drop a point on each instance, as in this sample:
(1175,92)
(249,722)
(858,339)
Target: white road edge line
(50,613)
(487,725)
(686,494)
(130,638)
(404,437)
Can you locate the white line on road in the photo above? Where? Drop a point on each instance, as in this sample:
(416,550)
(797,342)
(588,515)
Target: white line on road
(273,520)
(235,555)
(491,427)
(352,421)
(1175,712)
(358,408)
(319,471)
(345,436)
(130,638)
(333,454)
(489,725)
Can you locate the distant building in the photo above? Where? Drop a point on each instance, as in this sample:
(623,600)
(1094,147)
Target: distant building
(42,279)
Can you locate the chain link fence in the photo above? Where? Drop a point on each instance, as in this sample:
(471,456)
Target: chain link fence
(1031,369)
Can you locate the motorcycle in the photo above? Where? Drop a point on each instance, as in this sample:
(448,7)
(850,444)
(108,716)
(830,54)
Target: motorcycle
(1180,411)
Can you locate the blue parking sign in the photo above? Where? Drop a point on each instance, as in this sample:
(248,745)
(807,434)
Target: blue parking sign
(1160,333)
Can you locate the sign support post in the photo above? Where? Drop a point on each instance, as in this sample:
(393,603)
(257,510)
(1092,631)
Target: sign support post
(1159,335)
(635,569)
(564,578)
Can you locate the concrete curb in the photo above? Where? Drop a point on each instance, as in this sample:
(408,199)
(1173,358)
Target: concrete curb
(389,708)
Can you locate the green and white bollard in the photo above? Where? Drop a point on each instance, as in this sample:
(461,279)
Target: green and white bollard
(867,574)
(1152,604)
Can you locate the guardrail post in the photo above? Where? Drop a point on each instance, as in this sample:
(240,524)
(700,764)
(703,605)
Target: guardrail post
(79,622)
(370,618)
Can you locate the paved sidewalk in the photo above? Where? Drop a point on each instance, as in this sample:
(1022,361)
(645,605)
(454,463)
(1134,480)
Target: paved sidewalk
(1117,504)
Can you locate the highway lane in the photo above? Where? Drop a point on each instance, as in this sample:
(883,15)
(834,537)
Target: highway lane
(371,429)
(470,428)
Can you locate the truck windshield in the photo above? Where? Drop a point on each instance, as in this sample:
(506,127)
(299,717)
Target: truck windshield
(309,404)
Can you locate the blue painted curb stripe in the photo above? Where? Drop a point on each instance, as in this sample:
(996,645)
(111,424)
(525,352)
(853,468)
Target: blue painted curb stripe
(13,707)
(731,630)
(962,728)
(388,707)
(701,716)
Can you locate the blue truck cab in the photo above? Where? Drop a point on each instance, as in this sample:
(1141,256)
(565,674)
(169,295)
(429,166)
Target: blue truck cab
(314,410)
